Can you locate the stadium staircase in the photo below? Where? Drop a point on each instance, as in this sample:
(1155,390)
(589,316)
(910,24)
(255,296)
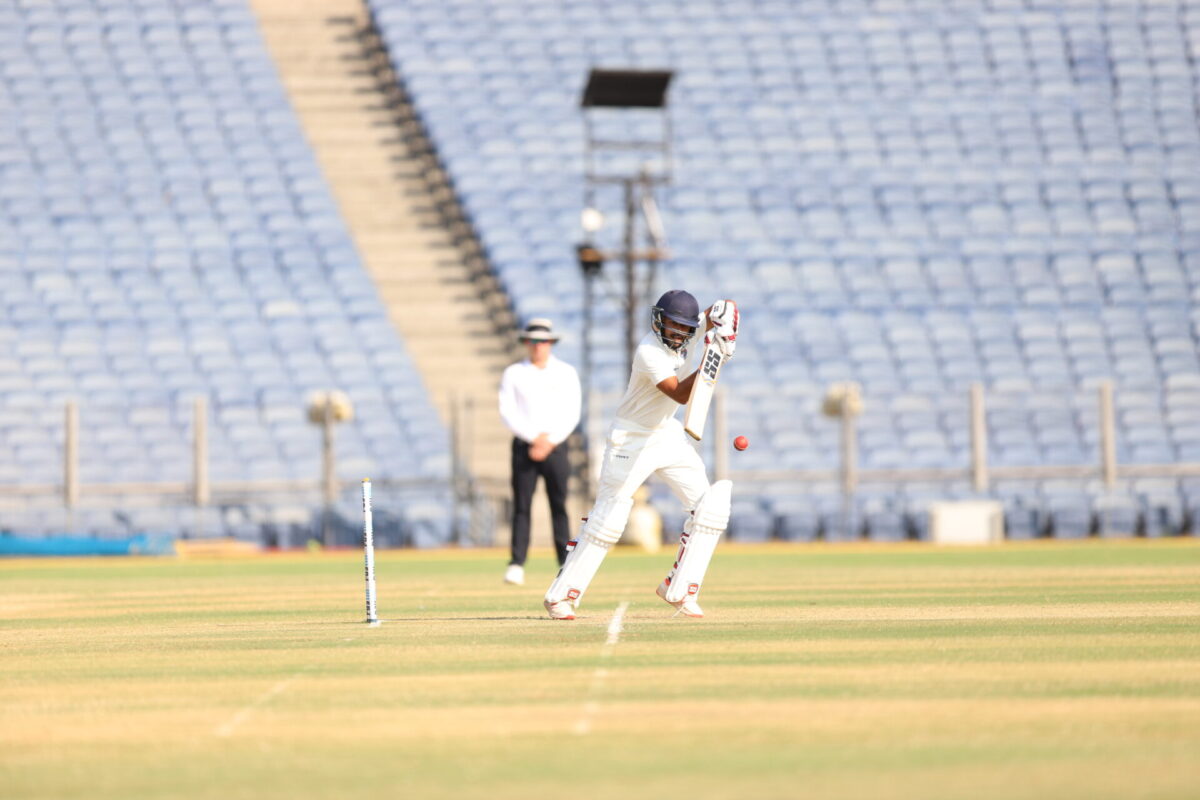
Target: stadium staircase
(402,216)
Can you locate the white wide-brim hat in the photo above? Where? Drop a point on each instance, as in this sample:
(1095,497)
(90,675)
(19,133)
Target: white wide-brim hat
(539,330)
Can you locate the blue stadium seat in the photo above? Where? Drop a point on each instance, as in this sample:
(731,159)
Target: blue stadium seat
(1047,182)
(166,287)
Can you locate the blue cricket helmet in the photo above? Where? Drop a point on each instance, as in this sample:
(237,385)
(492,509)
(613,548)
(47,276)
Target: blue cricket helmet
(678,306)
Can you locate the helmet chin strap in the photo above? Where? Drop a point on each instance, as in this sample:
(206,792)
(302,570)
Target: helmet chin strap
(660,327)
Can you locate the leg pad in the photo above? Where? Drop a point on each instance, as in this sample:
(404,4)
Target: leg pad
(698,542)
(602,530)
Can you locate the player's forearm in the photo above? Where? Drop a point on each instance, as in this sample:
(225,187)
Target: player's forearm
(684,390)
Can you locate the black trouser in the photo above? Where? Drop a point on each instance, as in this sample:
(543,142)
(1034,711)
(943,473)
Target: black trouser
(525,471)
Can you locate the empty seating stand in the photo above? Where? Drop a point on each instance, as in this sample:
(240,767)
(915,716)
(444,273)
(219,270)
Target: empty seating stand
(165,233)
(916,195)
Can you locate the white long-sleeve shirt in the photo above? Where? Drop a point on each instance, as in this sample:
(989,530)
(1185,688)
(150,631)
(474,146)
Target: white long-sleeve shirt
(540,400)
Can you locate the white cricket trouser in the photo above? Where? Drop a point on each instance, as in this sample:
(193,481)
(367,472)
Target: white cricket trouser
(632,455)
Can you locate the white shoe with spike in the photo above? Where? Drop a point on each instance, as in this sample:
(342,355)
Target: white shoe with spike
(688,606)
(561,609)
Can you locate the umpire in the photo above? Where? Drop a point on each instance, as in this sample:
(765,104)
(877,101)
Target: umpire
(539,402)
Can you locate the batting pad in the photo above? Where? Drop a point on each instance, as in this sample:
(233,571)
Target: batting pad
(602,530)
(699,542)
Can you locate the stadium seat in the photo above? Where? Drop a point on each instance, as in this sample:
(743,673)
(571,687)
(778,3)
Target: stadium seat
(143,221)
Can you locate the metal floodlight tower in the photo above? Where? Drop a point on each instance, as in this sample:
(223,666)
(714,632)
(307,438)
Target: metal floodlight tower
(621,90)
(628,90)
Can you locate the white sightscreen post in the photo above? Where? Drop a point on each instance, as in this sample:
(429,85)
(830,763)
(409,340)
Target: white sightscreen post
(849,463)
(328,471)
(200,487)
(979,443)
(1108,435)
(71,455)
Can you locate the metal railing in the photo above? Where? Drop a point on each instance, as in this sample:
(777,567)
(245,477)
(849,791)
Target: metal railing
(481,503)
(472,499)
(979,472)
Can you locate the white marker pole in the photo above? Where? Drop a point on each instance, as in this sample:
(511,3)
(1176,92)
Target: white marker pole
(369,551)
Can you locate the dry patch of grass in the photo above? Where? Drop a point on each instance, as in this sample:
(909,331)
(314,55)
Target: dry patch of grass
(1036,671)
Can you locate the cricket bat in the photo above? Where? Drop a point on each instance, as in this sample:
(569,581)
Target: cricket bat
(696,412)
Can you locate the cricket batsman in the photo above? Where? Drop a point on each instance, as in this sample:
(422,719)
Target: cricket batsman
(645,438)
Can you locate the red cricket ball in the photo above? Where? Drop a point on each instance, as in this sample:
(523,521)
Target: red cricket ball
(741,443)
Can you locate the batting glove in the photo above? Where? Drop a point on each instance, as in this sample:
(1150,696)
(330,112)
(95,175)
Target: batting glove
(727,345)
(718,312)
(725,318)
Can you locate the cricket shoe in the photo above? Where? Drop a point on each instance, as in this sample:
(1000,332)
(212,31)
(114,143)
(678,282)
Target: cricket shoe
(559,609)
(515,574)
(688,606)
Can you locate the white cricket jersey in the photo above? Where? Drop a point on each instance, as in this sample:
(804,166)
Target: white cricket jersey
(644,406)
(537,400)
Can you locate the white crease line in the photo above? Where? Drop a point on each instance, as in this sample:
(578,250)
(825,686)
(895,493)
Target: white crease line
(241,716)
(237,719)
(615,627)
(591,705)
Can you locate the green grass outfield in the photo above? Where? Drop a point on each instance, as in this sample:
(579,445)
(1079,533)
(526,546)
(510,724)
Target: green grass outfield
(1040,670)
